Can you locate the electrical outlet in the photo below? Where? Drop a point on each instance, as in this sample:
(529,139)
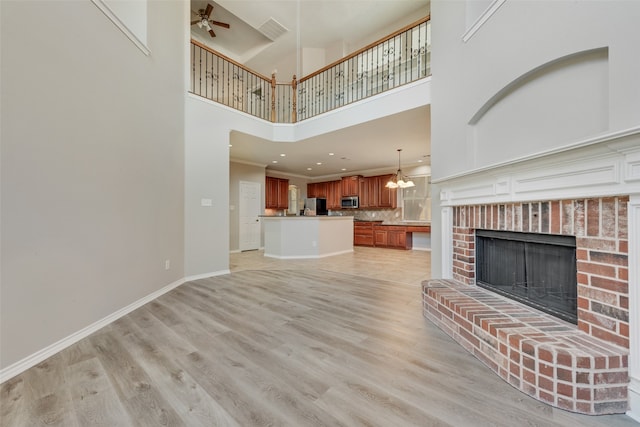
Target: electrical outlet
(167,264)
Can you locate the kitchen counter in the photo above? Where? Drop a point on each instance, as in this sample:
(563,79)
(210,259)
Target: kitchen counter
(298,237)
(393,234)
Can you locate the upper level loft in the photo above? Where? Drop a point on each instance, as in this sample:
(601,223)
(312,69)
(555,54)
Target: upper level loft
(395,60)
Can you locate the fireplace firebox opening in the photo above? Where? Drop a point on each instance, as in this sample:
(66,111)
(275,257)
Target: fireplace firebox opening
(538,270)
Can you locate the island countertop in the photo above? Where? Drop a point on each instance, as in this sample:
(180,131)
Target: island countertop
(290,237)
(307,217)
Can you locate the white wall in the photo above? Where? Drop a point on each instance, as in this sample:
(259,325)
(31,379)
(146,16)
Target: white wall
(517,89)
(540,81)
(208,129)
(92,167)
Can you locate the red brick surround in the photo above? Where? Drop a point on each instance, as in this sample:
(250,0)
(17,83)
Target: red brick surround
(600,228)
(582,369)
(547,358)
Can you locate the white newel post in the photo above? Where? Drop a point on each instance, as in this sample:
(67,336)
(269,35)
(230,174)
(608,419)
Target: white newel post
(634,306)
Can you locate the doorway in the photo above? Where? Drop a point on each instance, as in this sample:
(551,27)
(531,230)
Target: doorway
(249,216)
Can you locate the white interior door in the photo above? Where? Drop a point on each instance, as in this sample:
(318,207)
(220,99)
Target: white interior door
(249,233)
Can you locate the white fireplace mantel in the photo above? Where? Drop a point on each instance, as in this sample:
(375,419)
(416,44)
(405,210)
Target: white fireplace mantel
(606,166)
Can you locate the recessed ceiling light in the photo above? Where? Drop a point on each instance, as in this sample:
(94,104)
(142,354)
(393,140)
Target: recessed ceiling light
(318,163)
(282,155)
(343,169)
(420,161)
(274,161)
(331,154)
(309,169)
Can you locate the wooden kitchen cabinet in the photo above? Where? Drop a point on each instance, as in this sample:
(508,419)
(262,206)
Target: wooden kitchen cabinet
(330,190)
(387,197)
(398,239)
(311,189)
(334,195)
(392,236)
(380,236)
(276,193)
(363,233)
(369,192)
(351,185)
(318,189)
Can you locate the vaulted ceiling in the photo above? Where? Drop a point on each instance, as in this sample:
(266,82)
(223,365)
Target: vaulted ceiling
(268,36)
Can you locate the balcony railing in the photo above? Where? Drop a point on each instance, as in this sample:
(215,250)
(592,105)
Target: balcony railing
(400,58)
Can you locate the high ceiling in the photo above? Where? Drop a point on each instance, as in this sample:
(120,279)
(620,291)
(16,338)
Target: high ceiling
(337,27)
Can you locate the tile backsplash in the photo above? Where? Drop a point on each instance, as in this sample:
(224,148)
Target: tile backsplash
(388,215)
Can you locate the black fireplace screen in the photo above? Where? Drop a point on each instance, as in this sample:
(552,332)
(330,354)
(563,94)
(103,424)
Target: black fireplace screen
(536,269)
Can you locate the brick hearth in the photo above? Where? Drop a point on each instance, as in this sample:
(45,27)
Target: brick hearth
(545,357)
(554,368)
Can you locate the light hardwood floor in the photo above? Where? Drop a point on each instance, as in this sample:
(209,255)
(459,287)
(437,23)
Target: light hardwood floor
(339,341)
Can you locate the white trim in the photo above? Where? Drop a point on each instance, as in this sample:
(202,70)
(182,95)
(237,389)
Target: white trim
(482,19)
(206,275)
(634,306)
(446,232)
(100,4)
(612,167)
(608,137)
(37,357)
(309,256)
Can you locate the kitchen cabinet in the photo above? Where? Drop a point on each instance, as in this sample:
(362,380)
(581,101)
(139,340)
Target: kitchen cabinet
(369,192)
(372,233)
(392,236)
(380,236)
(399,239)
(330,190)
(351,185)
(311,189)
(363,233)
(276,193)
(334,194)
(387,197)
(317,189)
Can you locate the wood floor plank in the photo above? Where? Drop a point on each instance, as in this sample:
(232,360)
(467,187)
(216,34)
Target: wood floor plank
(194,406)
(95,402)
(333,341)
(137,393)
(12,402)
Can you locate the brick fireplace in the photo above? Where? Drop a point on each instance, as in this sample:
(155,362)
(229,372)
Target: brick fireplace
(581,368)
(600,228)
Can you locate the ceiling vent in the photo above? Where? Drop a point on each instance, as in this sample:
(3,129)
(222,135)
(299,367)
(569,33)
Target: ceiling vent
(272,29)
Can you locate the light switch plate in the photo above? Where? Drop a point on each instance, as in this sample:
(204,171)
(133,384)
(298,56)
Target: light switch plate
(206,202)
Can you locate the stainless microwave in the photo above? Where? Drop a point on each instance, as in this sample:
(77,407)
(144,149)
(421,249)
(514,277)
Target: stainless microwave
(350,202)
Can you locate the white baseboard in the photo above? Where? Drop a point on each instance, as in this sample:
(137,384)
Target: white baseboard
(39,356)
(206,275)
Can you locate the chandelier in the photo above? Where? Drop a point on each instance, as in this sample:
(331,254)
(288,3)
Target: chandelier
(399,180)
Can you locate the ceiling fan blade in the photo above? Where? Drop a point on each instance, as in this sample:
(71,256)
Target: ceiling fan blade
(221,24)
(207,12)
(212,33)
(195,22)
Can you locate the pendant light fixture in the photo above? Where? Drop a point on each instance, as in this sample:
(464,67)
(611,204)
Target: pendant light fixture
(399,180)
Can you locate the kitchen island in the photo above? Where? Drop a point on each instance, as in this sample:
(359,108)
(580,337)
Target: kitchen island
(298,237)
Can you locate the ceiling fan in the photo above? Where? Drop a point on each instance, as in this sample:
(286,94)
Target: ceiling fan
(205,22)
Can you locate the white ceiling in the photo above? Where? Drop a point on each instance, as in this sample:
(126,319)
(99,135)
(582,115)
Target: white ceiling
(333,25)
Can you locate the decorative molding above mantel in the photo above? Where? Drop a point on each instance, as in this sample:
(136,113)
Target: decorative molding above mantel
(609,167)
